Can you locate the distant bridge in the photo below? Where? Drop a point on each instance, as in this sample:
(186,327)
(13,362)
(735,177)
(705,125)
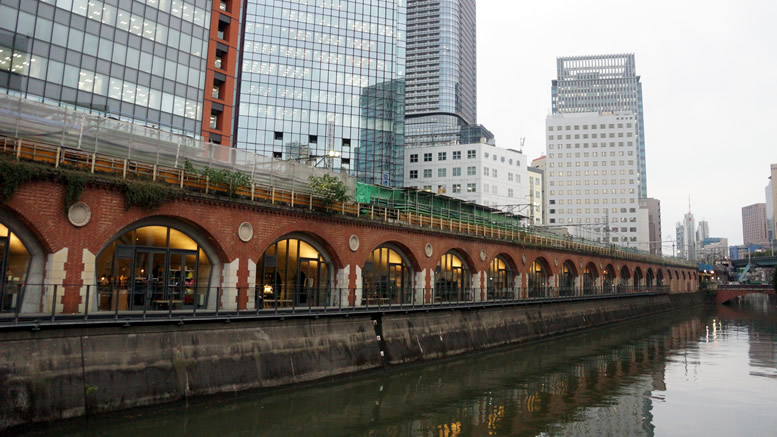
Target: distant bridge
(727,292)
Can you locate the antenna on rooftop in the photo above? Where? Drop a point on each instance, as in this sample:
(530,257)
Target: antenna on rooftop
(523,140)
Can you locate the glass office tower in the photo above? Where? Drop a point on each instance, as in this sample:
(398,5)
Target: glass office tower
(322,82)
(601,83)
(441,70)
(142,60)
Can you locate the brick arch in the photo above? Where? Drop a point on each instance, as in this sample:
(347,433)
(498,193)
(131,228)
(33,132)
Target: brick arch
(36,247)
(406,253)
(570,262)
(592,267)
(318,242)
(27,230)
(628,274)
(509,260)
(638,276)
(205,239)
(545,264)
(461,252)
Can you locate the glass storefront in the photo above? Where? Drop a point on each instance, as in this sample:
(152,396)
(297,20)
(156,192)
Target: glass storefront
(567,282)
(500,279)
(589,280)
(152,268)
(386,278)
(624,279)
(608,279)
(451,279)
(14,265)
(291,272)
(538,279)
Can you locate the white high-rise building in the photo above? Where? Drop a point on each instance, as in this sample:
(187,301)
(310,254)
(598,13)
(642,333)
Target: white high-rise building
(480,172)
(592,175)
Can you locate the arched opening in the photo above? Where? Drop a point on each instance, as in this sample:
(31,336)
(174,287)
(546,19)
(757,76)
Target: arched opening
(608,280)
(387,277)
(294,271)
(538,278)
(650,279)
(567,281)
(589,279)
(660,278)
(451,278)
(638,280)
(500,279)
(14,266)
(623,284)
(153,267)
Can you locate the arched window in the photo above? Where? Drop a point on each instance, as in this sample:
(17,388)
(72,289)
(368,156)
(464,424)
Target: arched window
(538,279)
(660,278)
(608,280)
(638,285)
(623,284)
(649,279)
(152,267)
(589,280)
(451,279)
(293,272)
(14,265)
(500,279)
(386,278)
(568,276)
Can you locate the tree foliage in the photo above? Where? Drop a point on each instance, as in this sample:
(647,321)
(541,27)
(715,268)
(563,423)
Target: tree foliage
(329,188)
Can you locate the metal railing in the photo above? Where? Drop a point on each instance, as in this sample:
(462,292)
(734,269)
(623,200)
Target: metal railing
(124,168)
(144,306)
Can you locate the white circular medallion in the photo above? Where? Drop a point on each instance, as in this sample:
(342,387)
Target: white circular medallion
(428,250)
(79,214)
(245,232)
(523,259)
(482,254)
(353,243)
(555,261)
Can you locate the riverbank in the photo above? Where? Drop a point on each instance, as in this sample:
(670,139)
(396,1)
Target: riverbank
(56,374)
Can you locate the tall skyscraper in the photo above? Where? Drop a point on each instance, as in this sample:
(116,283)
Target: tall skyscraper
(149,62)
(441,70)
(754,225)
(602,83)
(686,237)
(592,176)
(771,203)
(322,83)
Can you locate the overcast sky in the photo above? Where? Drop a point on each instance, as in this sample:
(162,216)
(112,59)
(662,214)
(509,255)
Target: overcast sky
(709,81)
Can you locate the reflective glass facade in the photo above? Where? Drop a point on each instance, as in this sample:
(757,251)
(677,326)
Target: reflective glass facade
(322,82)
(603,83)
(441,69)
(138,59)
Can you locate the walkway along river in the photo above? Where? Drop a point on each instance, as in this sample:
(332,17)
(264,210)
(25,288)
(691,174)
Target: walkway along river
(699,371)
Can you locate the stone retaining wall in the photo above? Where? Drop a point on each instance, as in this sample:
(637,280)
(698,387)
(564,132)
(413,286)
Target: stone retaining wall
(56,374)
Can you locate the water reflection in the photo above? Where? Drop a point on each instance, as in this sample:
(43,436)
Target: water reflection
(639,378)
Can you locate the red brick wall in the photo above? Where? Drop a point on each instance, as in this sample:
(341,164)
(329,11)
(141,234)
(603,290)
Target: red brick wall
(40,206)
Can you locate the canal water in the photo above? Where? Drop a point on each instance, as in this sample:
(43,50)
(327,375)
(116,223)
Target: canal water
(703,371)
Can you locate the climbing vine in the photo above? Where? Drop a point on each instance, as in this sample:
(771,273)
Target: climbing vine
(13,175)
(147,195)
(74,187)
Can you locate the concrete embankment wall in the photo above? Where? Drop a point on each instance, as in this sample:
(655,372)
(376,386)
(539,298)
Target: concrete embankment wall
(55,374)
